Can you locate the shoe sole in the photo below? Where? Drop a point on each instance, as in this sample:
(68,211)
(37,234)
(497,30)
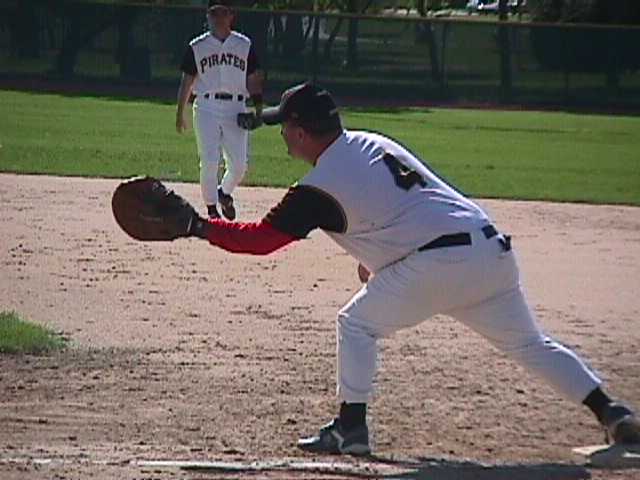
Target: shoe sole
(355,450)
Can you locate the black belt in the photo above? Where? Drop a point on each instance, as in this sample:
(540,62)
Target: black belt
(222,96)
(459,239)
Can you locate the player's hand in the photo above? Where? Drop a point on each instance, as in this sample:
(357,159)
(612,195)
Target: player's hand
(249,121)
(363,273)
(181,123)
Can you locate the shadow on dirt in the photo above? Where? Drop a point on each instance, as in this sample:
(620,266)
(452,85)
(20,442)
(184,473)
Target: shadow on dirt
(376,467)
(445,469)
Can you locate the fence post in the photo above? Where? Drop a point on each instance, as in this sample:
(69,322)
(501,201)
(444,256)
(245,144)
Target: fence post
(505,54)
(443,46)
(314,48)
(351,62)
(567,68)
(425,32)
(613,76)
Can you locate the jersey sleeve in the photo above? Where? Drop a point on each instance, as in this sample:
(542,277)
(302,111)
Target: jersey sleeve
(253,63)
(305,208)
(249,237)
(188,65)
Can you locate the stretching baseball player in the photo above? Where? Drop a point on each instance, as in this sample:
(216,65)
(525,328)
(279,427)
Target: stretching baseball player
(423,249)
(221,69)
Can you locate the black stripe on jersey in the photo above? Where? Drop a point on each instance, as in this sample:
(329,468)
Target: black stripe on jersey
(253,63)
(305,208)
(188,65)
(423,161)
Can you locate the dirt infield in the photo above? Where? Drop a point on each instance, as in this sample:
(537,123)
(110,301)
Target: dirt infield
(184,352)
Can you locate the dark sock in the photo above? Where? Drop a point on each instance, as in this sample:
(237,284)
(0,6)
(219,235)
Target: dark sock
(212,211)
(597,400)
(353,415)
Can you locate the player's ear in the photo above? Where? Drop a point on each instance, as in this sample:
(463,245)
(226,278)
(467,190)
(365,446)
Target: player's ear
(301,134)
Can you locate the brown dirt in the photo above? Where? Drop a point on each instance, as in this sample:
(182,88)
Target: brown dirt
(183,351)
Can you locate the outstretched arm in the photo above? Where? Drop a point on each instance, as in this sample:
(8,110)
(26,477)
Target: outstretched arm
(149,211)
(257,238)
(300,211)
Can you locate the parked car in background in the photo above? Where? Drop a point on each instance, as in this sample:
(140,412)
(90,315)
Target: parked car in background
(485,7)
(472,6)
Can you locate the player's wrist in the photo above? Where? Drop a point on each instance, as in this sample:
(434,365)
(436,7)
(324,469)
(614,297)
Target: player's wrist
(199,227)
(258,101)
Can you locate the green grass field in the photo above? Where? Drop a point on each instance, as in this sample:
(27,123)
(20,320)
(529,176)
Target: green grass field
(21,336)
(498,154)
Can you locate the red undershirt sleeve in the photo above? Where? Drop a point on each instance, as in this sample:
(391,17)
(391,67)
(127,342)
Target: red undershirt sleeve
(301,210)
(256,238)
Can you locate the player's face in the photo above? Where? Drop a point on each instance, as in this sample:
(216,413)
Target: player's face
(220,19)
(293,136)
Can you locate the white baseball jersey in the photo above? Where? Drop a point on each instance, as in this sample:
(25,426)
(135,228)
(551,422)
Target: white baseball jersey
(379,224)
(221,65)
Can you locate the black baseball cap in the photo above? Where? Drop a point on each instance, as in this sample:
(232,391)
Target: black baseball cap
(215,4)
(309,106)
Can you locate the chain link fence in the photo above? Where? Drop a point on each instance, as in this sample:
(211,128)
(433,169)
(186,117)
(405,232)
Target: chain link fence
(368,59)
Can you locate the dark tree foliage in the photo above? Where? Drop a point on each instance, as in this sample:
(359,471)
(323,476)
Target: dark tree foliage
(587,48)
(618,12)
(24,29)
(621,12)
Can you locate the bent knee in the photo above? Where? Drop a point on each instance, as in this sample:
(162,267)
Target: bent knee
(347,322)
(350,324)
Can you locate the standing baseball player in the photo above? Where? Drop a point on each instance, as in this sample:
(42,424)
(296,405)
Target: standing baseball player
(221,69)
(423,249)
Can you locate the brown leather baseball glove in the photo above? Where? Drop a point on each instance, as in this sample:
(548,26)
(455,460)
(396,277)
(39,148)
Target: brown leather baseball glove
(146,210)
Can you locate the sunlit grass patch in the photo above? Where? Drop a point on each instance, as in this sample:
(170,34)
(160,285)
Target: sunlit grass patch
(21,336)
